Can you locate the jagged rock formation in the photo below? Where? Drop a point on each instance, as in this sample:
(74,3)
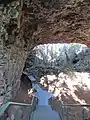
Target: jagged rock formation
(12,57)
(26,23)
(56,21)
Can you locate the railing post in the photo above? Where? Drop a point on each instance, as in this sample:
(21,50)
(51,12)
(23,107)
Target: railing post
(83,114)
(67,113)
(62,112)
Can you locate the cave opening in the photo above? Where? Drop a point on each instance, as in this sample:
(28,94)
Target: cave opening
(64,66)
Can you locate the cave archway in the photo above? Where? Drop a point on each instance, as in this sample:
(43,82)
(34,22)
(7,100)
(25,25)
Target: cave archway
(67,83)
(30,23)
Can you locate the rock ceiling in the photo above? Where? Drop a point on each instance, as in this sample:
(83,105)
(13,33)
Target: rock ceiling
(51,21)
(32,22)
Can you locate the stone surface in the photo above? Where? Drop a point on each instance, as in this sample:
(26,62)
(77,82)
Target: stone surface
(10,72)
(12,56)
(56,21)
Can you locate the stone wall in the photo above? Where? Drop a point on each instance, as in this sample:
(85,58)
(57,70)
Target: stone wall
(53,21)
(11,66)
(12,56)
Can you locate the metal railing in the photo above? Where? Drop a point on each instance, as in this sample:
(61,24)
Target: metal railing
(17,111)
(75,111)
(23,111)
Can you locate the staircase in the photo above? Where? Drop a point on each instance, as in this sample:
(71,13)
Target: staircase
(23,111)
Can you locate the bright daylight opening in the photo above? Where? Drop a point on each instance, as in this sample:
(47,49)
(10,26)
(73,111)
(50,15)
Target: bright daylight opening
(65,67)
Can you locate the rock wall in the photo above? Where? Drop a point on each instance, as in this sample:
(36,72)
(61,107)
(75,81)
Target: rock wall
(52,21)
(13,51)
(12,56)
(11,66)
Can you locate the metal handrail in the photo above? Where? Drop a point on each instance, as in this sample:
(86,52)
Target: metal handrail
(68,106)
(74,105)
(6,105)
